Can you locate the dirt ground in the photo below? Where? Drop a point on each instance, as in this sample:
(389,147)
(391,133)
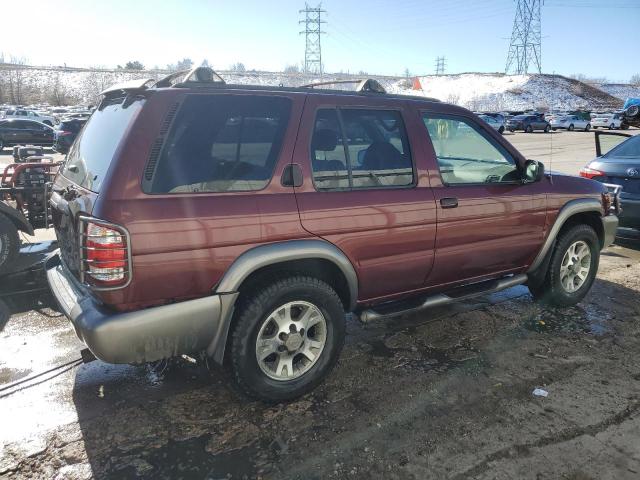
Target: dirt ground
(445,393)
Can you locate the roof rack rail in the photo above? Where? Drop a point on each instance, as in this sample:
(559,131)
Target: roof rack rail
(364,85)
(196,75)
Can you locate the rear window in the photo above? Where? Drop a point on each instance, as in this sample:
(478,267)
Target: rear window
(628,149)
(221,143)
(91,154)
(72,126)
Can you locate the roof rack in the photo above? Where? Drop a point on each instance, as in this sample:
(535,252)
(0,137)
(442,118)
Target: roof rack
(197,75)
(364,85)
(138,84)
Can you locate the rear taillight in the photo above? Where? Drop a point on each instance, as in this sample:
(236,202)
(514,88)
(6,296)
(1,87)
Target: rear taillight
(105,254)
(587,172)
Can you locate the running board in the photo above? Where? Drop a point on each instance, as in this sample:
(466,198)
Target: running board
(394,309)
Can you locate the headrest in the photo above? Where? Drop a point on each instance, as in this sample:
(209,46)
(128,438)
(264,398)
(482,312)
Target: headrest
(324,140)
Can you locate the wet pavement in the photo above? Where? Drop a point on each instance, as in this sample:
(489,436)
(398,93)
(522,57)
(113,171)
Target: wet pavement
(445,393)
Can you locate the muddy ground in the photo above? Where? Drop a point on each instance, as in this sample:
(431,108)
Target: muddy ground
(446,393)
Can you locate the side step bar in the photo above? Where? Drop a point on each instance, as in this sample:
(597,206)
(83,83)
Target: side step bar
(484,288)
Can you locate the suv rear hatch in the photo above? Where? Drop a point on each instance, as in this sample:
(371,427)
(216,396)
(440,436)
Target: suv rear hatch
(85,170)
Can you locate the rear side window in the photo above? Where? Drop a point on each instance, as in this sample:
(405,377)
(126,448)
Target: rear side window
(70,126)
(360,148)
(221,143)
(92,152)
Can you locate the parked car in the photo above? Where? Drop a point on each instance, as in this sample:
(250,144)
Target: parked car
(30,115)
(244,222)
(494,122)
(65,133)
(611,121)
(569,122)
(528,123)
(618,163)
(632,112)
(22,132)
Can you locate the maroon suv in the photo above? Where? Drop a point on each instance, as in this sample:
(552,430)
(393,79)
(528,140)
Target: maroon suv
(243,222)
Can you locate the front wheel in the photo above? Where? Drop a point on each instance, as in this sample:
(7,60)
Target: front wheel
(612,126)
(570,128)
(286,338)
(588,127)
(572,269)
(547,129)
(501,130)
(528,129)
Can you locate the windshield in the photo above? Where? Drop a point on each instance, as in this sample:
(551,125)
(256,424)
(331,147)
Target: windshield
(628,149)
(91,154)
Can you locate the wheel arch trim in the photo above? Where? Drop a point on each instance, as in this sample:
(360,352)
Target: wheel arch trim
(571,208)
(291,250)
(18,219)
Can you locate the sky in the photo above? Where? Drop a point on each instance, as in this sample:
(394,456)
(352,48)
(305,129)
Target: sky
(591,37)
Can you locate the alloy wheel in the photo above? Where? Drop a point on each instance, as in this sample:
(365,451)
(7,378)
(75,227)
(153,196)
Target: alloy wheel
(575,266)
(291,340)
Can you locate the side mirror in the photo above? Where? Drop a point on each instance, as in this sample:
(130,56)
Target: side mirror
(533,171)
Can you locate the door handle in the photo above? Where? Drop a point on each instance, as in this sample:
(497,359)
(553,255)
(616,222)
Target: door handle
(449,202)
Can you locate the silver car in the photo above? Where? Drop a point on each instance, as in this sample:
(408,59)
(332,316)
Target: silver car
(494,122)
(607,120)
(570,123)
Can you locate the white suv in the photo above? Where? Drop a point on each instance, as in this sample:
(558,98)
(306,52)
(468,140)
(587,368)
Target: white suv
(607,120)
(31,115)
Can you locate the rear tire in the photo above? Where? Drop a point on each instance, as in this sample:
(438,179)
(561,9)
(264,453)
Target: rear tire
(287,300)
(571,127)
(588,127)
(528,129)
(612,126)
(572,268)
(9,244)
(547,129)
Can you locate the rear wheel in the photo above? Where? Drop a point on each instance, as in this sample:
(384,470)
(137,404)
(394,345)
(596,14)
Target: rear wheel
(547,129)
(528,129)
(572,269)
(9,243)
(612,126)
(570,128)
(286,338)
(588,127)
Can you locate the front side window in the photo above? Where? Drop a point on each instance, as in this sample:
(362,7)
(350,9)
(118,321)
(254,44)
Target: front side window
(360,148)
(222,143)
(466,155)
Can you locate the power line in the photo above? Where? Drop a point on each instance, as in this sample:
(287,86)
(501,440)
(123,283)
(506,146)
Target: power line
(312,32)
(526,38)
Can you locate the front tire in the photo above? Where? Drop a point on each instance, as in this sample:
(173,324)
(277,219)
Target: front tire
(571,127)
(612,126)
(588,127)
(572,268)
(528,129)
(547,129)
(287,337)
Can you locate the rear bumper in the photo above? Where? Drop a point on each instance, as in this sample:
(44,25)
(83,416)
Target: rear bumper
(142,335)
(609,225)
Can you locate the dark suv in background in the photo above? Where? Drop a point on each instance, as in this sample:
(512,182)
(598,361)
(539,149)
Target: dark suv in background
(528,123)
(243,222)
(65,133)
(24,132)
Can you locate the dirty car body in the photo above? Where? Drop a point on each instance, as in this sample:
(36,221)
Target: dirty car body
(210,217)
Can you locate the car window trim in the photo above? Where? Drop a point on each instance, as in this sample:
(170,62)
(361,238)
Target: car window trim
(484,133)
(337,107)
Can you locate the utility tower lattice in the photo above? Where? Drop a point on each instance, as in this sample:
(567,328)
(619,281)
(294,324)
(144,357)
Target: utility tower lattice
(312,31)
(440,65)
(525,47)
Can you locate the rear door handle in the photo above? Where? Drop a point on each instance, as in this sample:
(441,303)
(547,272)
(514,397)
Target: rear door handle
(449,202)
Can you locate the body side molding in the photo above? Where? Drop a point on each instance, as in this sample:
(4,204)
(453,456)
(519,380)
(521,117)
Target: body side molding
(569,209)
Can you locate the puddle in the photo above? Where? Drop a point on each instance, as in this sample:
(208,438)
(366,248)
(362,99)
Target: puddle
(186,459)
(588,319)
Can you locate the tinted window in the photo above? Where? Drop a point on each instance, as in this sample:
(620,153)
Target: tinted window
(221,143)
(91,154)
(370,151)
(629,149)
(73,126)
(465,154)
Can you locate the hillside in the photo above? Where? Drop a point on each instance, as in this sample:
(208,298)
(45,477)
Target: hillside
(476,91)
